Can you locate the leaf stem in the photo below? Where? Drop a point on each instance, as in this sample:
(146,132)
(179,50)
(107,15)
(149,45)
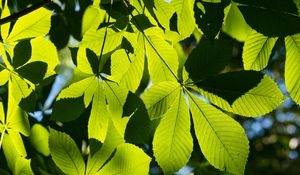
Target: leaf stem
(16,16)
(2,136)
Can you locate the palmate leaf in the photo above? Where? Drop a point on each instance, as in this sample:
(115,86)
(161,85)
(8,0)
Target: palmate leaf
(257,51)
(261,99)
(292,66)
(34,24)
(159,98)
(65,153)
(222,140)
(92,17)
(172,142)
(124,162)
(162,60)
(163,11)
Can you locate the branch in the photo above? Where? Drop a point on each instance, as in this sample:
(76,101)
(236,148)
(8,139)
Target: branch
(16,16)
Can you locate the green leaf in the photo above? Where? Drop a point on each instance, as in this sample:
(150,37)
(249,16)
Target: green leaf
(292,66)
(97,160)
(124,162)
(92,17)
(185,17)
(142,22)
(13,148)
(22,92)
(159,98)
(222,140)
(234,23)
(22,53)
(34,24)
(257,51)
(93,60)
(5,27)
(39,138)
(172,142)
(271,18)
(23,166)
(65,153)
(68,109)
(127,69)
(163,11)
(208,58)
(162,59)
(45,51)
(209,18)
(116,97)
(34,71)
(138,126)
(93,39)
(4,74)
(85,87)
(260,100)
(99,117)
(231,85)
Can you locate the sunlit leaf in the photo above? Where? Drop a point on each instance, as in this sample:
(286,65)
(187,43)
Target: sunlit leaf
(172,142)
(92,17)
(124,162)
(261,99)
(39,138)
(97,160)
(5,27)
(222,140)
(292,66)
(160,97)
(162,59)
(34,24)
(257,51)
(65,153)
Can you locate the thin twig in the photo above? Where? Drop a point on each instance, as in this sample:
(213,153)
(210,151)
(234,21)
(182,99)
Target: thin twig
(16,16)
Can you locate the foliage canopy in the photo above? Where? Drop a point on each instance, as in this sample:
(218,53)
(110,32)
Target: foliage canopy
(122,123)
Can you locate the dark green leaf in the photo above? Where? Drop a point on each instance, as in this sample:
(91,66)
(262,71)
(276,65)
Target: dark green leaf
(122,22)
(68,109)
(93,60)
(173,23)
(28,103)
(141,22)
(34,71)
(208,58)
(272,18)
(138,127)
(22,53)
(232,85)
(210,21)
(59,34)
(126,45)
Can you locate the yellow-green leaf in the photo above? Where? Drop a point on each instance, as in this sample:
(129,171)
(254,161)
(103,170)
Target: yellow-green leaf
(160,97)
(222,140)
(260,100)
(292,66)
(172,142)
(39,138)
(128,160)
(257,51)
(34,24)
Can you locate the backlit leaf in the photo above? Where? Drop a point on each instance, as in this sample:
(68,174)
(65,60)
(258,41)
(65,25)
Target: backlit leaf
(257,51)
(172,142)
(222,140)
(65,153)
